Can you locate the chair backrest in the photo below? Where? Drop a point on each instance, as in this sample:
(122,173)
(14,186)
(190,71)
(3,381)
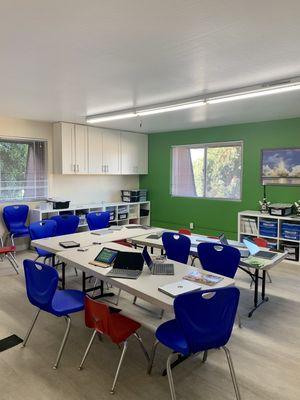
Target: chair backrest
(42,229)
(15,216)
(41,284)
(177,246)
(97,315)
(219,258)
(98,220)
(184,231)
(66,224)
(261,242)
(207,317)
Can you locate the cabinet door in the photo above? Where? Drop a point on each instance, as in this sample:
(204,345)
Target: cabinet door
(95,151)
(81,149)
(111,152)
(129,153)
(68,148)
(142,142)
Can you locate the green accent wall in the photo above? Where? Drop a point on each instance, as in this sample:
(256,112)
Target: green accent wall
(215,216)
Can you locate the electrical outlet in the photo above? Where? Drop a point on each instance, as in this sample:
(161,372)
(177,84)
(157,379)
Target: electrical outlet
(191,225)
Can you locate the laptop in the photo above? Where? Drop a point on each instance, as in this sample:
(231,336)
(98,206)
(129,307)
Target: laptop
(223,239)
(105,258)
(254,250)
(157,268)
(176,288)
(128,265)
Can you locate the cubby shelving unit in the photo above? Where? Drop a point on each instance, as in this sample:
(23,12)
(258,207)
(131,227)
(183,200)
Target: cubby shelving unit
(278,241)
(121,213)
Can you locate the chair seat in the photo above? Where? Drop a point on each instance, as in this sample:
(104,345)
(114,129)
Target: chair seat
(44,253)
(7,249)
(170,334)
(67,302)
(22,231)
(121,328)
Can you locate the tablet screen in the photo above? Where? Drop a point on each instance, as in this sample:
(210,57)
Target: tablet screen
(106,256)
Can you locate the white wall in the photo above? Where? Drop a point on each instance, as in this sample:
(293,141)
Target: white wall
(78,189)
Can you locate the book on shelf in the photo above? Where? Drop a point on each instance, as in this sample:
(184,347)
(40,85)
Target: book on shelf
(249,225)
(204,279)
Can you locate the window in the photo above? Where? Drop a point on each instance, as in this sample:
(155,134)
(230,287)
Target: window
(23,172)
(207,171)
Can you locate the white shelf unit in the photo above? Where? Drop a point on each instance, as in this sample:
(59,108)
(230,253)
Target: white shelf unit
(278,241)
(124,213)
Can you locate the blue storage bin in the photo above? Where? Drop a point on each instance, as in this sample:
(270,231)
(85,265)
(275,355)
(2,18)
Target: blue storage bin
(290,231)
(268,232)
(268,224)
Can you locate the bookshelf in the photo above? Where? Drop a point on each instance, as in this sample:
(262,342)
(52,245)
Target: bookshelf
(272,228)
(121,213)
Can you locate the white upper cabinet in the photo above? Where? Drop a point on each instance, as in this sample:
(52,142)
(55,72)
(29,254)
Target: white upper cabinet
(134,153)
(95,150)
(81,149)
(111,143)
(70,148)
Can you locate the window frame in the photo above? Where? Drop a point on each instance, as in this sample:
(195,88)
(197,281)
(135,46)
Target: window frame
(19,139)
(205,146)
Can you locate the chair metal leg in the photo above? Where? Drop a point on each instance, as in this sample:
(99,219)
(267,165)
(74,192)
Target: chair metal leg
(170,376)
(76,272)
(239,320)
(204,358)
(152,355)
(13,242)
(161,314)
(134,300)
(118,297)
(95,284)
(142,346)
(12,263)
(30,328)
(63,343)
(87,350)
(232,373)
(119,367)
(269,277)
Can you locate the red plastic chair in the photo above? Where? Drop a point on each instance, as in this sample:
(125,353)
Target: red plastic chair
(184,231)
(117,327)
(8,252)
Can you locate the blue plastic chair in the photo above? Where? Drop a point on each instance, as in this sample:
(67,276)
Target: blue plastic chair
(15,217)
(177,246)
(41,286)
(66,224)
(40,230)
(203,321)
(98,220)
(219,258)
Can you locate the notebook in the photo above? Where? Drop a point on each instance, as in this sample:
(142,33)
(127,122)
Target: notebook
(176,288)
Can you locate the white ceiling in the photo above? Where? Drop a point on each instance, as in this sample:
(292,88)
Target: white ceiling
(62,60)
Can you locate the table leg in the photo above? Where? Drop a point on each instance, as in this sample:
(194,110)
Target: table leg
(264,299)
(92,289)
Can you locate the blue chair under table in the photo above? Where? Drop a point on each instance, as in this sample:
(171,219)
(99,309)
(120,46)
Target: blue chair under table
(15,217)
(41,230)
(220,259)
(98,220)
(203,321)
(41,286)
(67,224)
(177,246)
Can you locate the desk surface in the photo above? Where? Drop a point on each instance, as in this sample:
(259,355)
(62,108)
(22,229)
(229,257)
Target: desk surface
(145,287)
(144,240)
(88,238)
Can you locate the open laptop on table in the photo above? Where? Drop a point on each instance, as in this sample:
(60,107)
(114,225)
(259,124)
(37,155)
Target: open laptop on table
(157,268)
(127,265)
(255,251)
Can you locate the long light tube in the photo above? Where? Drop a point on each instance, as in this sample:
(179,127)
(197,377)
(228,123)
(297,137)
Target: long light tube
(249,92)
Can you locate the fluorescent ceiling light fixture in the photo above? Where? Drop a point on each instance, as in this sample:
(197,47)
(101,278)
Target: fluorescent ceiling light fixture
(254,93)
(173,107)
(248,92)
(94,119)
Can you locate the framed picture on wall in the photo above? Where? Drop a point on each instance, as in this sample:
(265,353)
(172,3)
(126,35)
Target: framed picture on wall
(280,166)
